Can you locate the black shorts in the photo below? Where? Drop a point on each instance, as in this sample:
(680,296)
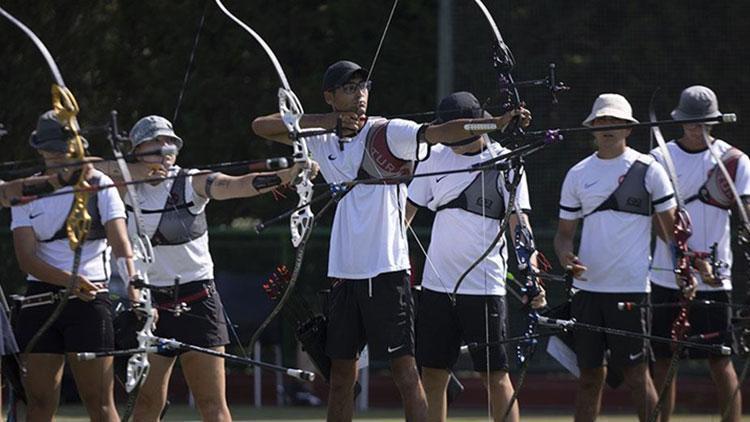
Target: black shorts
(204,324)
(81,327)
(443,327)
(703,320)
(378,312)
(601,309)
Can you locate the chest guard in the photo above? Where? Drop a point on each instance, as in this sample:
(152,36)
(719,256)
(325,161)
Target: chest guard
(177,224)
(631,196)
(490,204)
(378,161)
(715,191)
(96,232)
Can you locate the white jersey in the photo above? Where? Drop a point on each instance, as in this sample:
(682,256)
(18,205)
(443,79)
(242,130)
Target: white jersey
(458,236)
(369,231)
(614,245)
(47,215)
(189,261)
(710,223)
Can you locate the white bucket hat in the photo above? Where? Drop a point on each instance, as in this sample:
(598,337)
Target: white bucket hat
(611,105)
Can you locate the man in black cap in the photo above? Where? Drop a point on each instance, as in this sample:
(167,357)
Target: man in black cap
(708,201)
(467,207)
(370,300)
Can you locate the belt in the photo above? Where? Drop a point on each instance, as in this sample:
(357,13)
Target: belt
(206,290)
(48,298)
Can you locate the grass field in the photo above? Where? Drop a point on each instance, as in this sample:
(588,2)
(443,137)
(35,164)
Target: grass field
(246,413)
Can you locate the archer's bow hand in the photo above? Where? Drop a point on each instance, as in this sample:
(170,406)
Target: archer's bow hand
(523,114)
(688,285)
(298,168)
(540,300)
(705,269)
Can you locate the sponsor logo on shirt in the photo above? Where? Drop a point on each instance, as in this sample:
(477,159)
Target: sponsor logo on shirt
(633,202)
(484,202)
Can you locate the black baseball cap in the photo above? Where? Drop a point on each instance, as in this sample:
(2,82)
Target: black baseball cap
(340,73)
(459,105)
(50,134)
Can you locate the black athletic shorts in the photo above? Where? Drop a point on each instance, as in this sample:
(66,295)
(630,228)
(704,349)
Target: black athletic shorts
(204,324)
(703,320)
(81,327)
(378,312)
(601,309)
(443,327)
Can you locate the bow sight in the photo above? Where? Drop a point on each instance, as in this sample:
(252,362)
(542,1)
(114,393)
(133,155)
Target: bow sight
(503,63)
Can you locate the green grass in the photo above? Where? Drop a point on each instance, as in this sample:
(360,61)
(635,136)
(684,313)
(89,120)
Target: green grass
(240,413)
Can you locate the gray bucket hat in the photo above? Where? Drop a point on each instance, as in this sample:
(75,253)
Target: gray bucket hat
(697,102)
(50,134)
(151,127)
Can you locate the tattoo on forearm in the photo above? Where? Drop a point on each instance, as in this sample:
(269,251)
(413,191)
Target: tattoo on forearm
(264,181)
(209,182)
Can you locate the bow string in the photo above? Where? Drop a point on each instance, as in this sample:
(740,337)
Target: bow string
(302,219)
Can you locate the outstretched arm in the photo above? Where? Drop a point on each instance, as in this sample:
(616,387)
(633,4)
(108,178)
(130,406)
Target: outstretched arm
(453,131)
(222,186)
(273,128)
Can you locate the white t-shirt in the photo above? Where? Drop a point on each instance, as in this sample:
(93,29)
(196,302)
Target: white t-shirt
(710,224)
(615,246)
(190,261)
(458,236)
(368,236)
(47,215)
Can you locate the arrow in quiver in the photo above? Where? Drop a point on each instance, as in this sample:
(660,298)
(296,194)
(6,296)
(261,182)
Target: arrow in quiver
(309,325)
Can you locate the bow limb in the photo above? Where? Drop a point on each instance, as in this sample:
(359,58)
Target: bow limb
(301,221)
(78,222)
(503,62)
(525,251)
(681,231)
(744,244)
(138,363)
